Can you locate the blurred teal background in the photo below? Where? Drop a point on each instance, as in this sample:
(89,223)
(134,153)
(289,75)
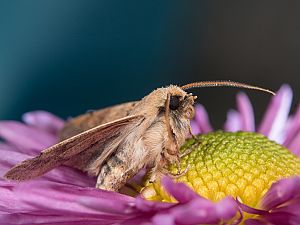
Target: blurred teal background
(71,56)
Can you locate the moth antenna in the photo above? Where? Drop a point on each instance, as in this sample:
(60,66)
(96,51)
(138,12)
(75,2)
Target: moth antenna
(224,83)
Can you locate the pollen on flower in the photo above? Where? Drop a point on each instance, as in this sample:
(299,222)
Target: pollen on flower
(240,164)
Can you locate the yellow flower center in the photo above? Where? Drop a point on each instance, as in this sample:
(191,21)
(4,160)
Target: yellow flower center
(240,164)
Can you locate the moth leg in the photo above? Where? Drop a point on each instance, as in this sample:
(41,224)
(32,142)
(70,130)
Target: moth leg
(190,149)
(174,159)
(178,174)
(186,152)
(156,172)
(191,133)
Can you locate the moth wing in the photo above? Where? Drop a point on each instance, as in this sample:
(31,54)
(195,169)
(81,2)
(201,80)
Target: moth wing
(59,153)
(95,118)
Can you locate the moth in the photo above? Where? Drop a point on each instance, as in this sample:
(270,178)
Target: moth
(115,143)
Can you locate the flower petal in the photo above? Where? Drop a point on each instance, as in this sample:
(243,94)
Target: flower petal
(202,119)
(44,121)
(246,112)
(279,218)
(281,192)
(24,137)
(63,200)
(151,206)
(203,211)
(233,122)
(194,209)
(294,145)
(293,129)
(39,218)
(163,218)
(195,127)
(179,191)
(254,222)
(275,118)
(8,159)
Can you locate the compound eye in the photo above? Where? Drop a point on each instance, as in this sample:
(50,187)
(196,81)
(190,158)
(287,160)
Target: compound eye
(174,102)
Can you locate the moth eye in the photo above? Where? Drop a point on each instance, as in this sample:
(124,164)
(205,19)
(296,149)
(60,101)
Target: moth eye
(174,102)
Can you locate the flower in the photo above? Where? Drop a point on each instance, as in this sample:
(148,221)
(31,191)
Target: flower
(65,195)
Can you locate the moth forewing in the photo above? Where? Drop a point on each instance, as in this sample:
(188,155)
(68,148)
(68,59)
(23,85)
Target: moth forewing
(64,151)
(95,118)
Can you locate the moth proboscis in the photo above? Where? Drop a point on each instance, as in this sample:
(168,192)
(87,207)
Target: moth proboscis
(115,143)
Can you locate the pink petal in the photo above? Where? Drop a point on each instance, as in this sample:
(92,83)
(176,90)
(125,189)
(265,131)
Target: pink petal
(280,218)
(50,198)
(294,145)
(293,207)
(68,175)
(44,121)
(202,211)
(281,192)
(283,202)
(195,127)
(179,191)
(254,222)
(194,209)
(275,118)
(201,117)
(293,129)
(151,206)
(233,122)
(246,112)
(9,158)
(30,219)
(25,137)
(165,219)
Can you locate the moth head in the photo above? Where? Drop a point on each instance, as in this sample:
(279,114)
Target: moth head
(180,103)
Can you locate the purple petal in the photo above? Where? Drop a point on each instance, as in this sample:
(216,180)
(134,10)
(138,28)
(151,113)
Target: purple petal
(294,145)
(254,222)
(25,137)
(250,210)
(54,203)
(281,192)
(179,191)
(275,118)
(293,128)
(280,218)
(201,117)
(292,207)
(246,112)
(44,121)
(227,208)
(166,219)
(29,219)
(292,140)
(194,209)
(9,158)
(67,175)
(233,122)
(55,198)
(202,211)
(151,206)
(195,127)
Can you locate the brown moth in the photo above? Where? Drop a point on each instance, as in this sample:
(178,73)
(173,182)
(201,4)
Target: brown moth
(115,143)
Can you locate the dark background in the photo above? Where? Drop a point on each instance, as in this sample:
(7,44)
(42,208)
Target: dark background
(70,56)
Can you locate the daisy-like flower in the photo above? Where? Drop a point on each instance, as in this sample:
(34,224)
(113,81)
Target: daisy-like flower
(240,175)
